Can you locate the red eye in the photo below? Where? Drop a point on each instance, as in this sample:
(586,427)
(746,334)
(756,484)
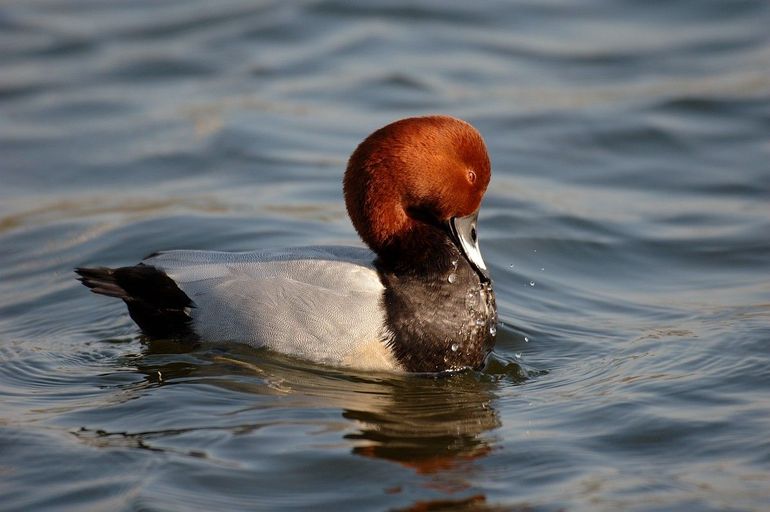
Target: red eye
(471,177)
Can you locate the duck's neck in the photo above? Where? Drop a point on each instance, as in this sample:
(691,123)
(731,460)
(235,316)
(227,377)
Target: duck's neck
(439,314)
(424,251)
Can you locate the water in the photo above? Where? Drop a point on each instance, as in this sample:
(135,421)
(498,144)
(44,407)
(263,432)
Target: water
(631,155)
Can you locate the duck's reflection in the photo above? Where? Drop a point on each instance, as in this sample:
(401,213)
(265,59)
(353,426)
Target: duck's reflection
(436,426)
(439,427)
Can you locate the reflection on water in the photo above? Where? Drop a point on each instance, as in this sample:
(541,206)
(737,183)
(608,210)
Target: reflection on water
(437,428)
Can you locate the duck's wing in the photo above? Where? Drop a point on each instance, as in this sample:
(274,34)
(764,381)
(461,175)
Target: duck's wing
(319,303)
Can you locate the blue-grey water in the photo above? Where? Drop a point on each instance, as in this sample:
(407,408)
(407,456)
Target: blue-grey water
(627,228)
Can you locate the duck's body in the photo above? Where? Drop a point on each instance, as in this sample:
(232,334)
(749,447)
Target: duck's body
(421,301)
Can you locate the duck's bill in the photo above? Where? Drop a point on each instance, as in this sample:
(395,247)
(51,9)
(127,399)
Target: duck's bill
(463,230)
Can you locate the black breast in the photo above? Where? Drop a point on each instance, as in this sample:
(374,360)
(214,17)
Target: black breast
(443,317)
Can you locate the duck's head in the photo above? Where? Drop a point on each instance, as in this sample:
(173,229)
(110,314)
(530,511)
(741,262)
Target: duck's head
(415,178)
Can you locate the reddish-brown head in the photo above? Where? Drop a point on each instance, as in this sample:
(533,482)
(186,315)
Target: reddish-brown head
(412,172)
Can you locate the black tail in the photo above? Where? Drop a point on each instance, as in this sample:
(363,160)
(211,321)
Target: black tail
(154,300)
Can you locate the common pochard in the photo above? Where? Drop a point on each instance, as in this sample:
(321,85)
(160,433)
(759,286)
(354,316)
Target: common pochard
(420,300)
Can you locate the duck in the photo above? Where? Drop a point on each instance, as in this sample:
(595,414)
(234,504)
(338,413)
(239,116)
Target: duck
(417,299)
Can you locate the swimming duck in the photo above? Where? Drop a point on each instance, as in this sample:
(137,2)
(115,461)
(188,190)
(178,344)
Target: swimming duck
(420,299)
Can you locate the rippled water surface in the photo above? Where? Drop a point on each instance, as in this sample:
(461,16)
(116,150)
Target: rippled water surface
(627,229)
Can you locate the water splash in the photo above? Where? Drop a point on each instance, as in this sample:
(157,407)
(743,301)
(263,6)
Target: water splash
(472,301)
